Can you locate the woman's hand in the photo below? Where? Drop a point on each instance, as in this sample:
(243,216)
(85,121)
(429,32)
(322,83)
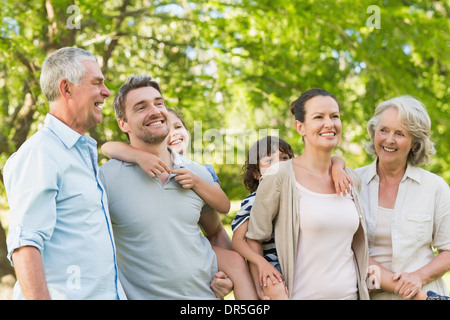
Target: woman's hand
(342,182)
(408,284)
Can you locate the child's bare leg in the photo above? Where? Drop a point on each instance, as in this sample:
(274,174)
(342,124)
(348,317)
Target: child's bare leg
(276,291)
(234,265)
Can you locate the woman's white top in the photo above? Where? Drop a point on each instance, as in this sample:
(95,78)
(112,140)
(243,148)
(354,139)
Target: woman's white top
(324,265)
(381,251)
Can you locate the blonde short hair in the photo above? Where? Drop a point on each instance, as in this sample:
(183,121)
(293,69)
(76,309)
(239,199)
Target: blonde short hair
(414,117)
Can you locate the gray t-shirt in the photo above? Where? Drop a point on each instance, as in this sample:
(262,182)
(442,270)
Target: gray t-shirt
(161,252)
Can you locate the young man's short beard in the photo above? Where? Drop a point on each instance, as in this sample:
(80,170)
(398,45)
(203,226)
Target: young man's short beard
(152,139)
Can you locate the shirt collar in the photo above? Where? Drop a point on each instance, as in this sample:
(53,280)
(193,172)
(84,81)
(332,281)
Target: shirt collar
(371,173)
(67,135)
(411,172)
(178,160)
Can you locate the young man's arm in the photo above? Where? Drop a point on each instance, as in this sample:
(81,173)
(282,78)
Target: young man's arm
(215,232)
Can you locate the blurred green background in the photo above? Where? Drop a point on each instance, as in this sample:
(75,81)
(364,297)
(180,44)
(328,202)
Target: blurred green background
(234,66)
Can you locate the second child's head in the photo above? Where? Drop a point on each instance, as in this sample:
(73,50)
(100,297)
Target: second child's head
(178,137)
(261,155)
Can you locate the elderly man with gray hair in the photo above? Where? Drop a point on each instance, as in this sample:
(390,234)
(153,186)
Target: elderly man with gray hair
(60,238)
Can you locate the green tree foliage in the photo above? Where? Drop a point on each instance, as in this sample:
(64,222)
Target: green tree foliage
(235,64)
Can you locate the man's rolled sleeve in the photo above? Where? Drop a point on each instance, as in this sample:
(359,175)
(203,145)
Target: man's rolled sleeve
(31,187)
(17,239)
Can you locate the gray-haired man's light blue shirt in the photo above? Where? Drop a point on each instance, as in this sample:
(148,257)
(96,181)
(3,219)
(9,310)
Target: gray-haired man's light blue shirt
(58,205)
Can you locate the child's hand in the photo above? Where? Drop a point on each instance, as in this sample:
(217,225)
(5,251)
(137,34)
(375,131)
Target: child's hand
(151,164)
(342,182)
(186,178)
(266,270)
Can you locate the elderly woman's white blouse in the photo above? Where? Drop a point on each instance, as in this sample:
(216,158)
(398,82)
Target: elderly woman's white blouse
(420,219)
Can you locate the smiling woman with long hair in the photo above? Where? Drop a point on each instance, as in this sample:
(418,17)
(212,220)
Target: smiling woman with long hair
(319,235)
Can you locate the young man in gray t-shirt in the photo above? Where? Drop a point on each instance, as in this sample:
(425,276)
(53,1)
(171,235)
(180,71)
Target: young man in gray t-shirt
(161,252)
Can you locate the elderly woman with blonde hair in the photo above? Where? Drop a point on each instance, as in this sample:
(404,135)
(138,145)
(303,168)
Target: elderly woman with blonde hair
(407,208)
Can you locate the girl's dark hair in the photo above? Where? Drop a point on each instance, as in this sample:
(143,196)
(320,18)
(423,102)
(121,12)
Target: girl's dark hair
(260,149)
(298,106)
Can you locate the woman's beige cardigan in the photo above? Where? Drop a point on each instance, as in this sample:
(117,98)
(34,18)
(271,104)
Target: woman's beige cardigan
(275,210)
